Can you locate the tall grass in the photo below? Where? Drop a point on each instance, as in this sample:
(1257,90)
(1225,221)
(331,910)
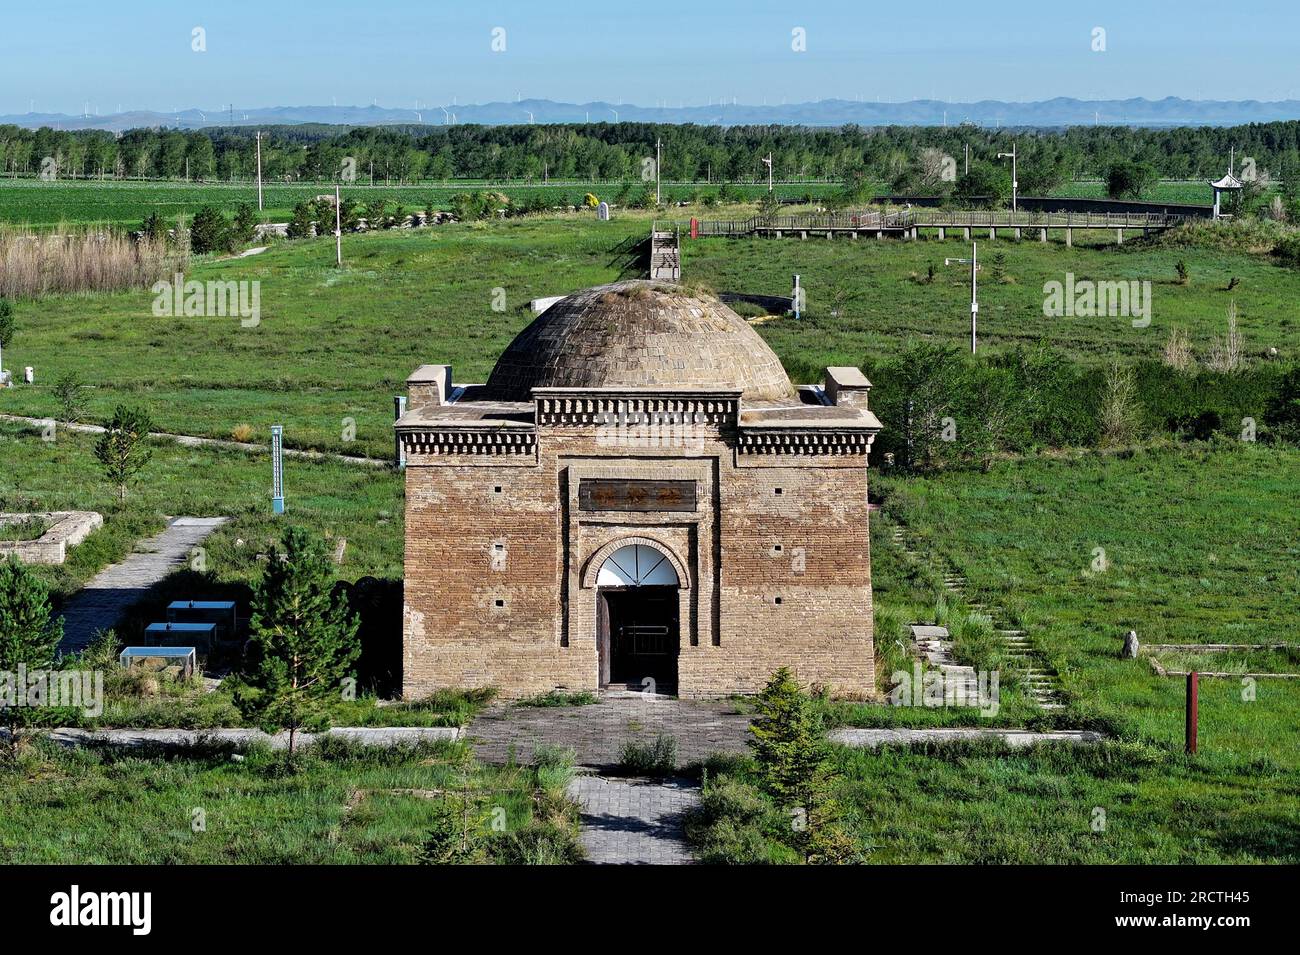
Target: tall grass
(33,264)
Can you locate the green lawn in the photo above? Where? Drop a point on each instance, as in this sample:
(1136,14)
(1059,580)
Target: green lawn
(336,805)
(1201,546)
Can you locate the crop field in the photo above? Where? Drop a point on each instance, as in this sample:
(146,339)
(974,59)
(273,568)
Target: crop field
(43,205)
(333,346)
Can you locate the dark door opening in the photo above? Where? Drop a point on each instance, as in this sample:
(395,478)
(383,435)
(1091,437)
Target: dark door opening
(638,637)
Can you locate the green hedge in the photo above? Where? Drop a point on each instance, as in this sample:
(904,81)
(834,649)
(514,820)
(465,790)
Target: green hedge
(940,406)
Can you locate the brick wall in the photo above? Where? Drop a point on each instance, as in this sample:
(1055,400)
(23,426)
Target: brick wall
(527,546)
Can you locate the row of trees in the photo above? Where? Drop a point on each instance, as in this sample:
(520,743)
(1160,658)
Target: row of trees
(947,409)
(615,151)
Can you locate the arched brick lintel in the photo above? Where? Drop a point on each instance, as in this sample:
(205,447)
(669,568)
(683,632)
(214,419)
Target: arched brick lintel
(598,559)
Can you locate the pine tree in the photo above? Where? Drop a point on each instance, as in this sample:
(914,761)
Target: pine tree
(121,449)
(28,637)
(794,769)
(304,639)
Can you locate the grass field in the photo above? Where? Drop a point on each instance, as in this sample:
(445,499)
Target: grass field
(334,346)
(337,805)
(1203,547)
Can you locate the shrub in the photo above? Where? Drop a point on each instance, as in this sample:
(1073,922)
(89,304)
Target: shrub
(1283,412)
(28,637)
(658,758)
(70,393)
(1288,250)
(210,232)
(794,769)
(301,225)
(1178,350)
(537,844)
(1119,415)
(242,432)
(1226,352)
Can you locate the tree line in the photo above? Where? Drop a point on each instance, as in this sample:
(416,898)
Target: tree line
(625,151)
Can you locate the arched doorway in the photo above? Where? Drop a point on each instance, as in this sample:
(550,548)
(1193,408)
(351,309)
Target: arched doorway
(637,619)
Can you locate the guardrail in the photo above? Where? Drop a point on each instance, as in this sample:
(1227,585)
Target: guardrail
(867,221)
(863,220)
(1074,220)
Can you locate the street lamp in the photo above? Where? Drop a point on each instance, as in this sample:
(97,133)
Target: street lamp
(973,261)
(767,161)
(1014,185)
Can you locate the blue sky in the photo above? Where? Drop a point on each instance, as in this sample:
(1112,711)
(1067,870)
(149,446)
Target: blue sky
(137,53)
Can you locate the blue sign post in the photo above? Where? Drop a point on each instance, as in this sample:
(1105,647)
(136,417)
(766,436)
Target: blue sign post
(277,468)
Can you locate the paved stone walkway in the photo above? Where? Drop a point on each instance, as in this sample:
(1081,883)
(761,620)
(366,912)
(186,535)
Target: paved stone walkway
(634,821)
(596,733)
(111,592)
(871,738)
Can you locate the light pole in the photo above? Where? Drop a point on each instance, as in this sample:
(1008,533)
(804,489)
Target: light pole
(1014,185)
(974,301)
(657,149)
(259,170)
(768,163)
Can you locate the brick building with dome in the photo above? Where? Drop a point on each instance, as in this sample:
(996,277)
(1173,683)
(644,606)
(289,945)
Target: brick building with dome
(637,497)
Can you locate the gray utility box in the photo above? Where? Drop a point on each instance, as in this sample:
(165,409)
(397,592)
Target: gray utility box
(219,612)
(200,636)
(160,658)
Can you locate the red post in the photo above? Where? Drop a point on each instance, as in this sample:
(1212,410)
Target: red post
(1192,681)
(695,228)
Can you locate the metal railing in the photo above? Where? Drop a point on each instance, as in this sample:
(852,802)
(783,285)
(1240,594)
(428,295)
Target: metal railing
(866,221)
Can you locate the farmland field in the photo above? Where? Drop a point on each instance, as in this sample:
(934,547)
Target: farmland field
(43,204)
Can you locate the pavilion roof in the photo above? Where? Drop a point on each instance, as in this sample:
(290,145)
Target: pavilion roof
(1229,181)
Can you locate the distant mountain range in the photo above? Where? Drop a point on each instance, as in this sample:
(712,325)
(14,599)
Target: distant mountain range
(1062,111)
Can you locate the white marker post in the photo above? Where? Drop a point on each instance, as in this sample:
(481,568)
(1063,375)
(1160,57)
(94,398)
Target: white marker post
(974,301)
(338,230)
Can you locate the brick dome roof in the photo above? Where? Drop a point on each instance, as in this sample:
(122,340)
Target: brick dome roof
(639,334)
